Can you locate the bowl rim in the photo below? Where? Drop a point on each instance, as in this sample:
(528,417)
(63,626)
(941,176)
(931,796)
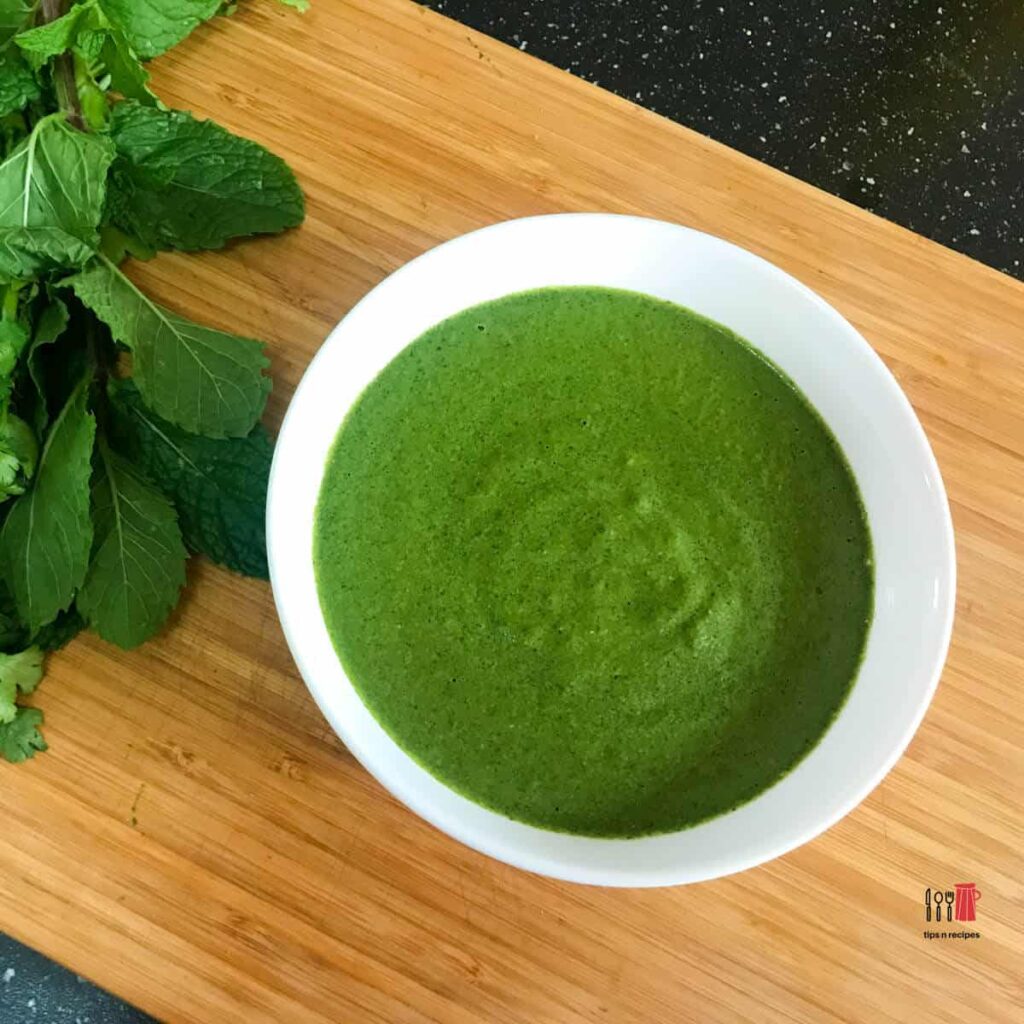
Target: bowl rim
(277,520)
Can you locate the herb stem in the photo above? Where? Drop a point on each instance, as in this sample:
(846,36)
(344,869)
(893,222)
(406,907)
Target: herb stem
(63,69)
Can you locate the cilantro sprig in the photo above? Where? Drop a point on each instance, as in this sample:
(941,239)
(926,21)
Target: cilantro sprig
(129,435)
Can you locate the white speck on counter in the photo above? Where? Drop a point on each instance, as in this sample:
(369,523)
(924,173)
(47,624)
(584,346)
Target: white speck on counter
(8,975)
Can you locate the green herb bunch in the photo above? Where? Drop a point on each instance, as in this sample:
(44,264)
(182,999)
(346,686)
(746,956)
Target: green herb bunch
(129,435)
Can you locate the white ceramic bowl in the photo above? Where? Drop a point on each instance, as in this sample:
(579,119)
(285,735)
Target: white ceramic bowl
(835,368)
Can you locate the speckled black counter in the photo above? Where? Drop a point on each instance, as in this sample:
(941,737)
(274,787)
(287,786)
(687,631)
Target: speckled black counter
(35,991)
(913,109)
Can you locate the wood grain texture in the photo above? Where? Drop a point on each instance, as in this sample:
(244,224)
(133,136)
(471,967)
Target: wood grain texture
(199,842)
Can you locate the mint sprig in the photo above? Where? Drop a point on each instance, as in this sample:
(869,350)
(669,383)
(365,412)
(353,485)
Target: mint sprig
(113,468)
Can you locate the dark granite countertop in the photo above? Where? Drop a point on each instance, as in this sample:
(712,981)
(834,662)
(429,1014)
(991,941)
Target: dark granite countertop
(913,109)
(35,991)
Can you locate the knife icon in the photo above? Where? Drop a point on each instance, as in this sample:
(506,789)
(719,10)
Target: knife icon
(927,904)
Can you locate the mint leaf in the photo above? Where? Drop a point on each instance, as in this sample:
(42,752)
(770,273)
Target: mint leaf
(13,635)
(185,428)
(52,189)
(229,7)
(19,673)
(87,31)
(12,632)
(152,27)
(118,245)
(21,739)
(50,325)
(83,29)
(206,381)
(138,569)
(46,539)
(127,74)
(179,183)
(12,133)
(62,630)
(218,487)
(18,85)
(14,15)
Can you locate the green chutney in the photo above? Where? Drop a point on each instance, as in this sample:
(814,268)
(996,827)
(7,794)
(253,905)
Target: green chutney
(594,562)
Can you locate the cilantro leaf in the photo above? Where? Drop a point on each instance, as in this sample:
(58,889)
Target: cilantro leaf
(46,539)
(179,183)
(21,739)
(18,85)
(204,380)
(18,453)
(19,673)
(155,26)
(13,337)
(138,568)
(52,189)
(218,487)
(299,5)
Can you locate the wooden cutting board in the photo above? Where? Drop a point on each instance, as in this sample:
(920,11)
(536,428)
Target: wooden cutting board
(199,842)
